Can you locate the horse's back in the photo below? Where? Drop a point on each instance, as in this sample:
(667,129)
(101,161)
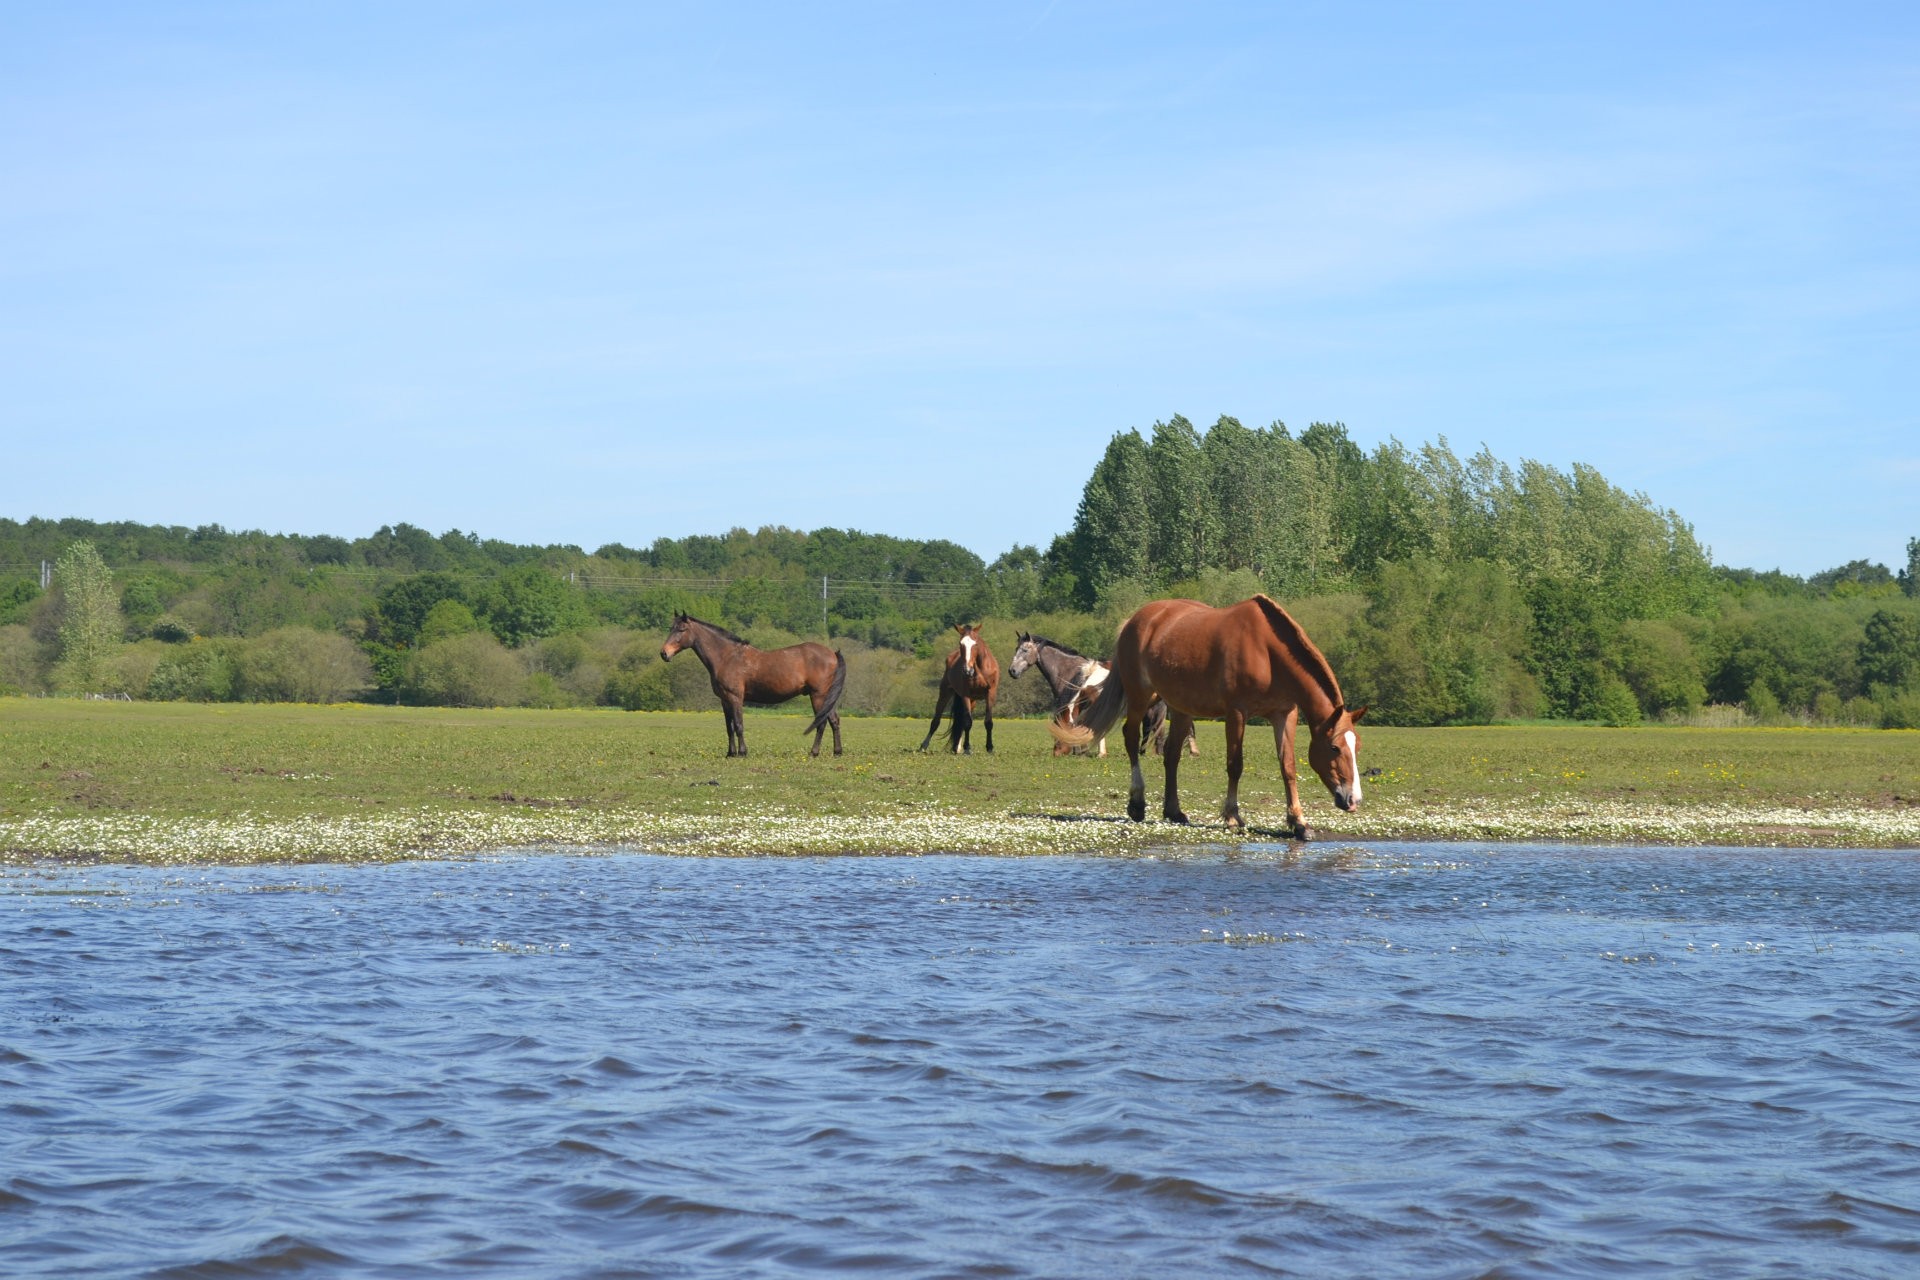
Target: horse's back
(1198,658)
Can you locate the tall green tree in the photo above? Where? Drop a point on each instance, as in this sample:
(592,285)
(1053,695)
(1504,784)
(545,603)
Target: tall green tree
(1183,521)
(91,625)
(1890,649)
(1109,540)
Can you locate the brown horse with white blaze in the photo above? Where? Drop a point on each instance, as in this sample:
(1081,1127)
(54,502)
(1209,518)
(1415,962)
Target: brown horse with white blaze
(1250,659)
(972,672)
(742,674)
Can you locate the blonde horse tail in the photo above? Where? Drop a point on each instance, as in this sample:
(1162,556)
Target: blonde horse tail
(1096,719)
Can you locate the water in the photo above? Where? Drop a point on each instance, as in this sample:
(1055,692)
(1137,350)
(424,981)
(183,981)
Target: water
(1401,1060)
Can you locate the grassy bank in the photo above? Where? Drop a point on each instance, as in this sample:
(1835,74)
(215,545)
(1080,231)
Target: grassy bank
(192,783)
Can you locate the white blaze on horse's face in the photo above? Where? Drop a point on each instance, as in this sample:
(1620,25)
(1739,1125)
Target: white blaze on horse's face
(966,649)
(1334,753)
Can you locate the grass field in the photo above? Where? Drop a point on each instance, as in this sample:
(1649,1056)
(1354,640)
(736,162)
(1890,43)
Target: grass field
(192,783)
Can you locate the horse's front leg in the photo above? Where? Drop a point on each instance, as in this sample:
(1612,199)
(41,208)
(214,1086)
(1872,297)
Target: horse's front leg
(1236,762)
(736,728)
(991,695)
(1290,771)
(939,709)
(1137,786)
(1179,724)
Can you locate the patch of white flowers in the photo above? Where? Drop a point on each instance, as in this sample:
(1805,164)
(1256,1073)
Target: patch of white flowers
(454,833)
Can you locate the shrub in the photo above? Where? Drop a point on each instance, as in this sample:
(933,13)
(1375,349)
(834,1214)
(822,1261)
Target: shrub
(198,672)
(640,681)
(1900,711)
(1614,704)
(299,664)
(170,629)
(21,667)
(473,670)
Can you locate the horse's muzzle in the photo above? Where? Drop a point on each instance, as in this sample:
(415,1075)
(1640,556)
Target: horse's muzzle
(1343,798)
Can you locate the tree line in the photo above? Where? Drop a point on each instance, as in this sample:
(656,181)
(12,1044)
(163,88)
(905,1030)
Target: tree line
(1449,590)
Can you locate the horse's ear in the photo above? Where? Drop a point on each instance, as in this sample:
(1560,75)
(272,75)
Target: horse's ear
(1355,715)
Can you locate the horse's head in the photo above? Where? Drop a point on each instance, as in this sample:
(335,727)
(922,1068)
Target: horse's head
(969,643)
(1025,656)
(679,638)
(1334,753)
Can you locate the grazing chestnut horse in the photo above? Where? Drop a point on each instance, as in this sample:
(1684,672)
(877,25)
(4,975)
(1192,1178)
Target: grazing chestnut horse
(1250,659)
(1075,679)
(971,673)
(743,674)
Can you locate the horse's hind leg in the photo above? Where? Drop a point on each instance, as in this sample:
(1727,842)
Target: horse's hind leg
(1137,785)
(939,709)
(1178,726)
(990,698)
(833,720)
(819,699)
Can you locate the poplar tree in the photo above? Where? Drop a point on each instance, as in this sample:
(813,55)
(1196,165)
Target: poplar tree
(90,621)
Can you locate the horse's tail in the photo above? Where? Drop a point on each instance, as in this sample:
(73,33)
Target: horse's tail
(1097,718)
(961,723)
(834,690)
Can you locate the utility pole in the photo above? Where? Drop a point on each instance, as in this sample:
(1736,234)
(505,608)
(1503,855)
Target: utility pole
(823,601)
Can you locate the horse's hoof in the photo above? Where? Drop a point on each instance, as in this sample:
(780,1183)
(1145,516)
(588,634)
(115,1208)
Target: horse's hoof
(1234,821)
(1176,817)
(1137,809)
(1302,832)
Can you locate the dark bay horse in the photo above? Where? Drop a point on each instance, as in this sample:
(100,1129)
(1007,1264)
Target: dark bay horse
(972,672)
(1250,659)
(743,674)
(1075,679)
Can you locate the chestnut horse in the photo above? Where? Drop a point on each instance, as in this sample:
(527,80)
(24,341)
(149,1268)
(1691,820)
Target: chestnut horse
(743,674)
(1250,659)
(971,673)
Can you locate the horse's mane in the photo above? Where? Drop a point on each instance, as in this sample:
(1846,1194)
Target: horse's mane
(1304,651)
(719,630)
(1055,644)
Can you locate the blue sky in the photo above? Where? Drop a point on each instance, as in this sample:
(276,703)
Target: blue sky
(590,273)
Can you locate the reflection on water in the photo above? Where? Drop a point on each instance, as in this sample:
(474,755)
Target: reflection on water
(1398,1060)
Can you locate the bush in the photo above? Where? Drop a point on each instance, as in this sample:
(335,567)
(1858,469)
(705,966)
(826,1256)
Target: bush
(198,672)
(1614,704)
(1900,711)
(21,667)
(1658,662)
(640,681)
(299,664)
(170,629)
(473,670)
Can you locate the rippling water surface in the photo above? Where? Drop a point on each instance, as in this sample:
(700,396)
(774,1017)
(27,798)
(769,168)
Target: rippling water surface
(1394,1060)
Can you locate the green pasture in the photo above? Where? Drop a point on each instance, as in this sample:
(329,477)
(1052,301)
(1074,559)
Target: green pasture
(210,783)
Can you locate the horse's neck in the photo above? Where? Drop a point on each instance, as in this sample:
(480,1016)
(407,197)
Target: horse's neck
(710,645)
(1319,692)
